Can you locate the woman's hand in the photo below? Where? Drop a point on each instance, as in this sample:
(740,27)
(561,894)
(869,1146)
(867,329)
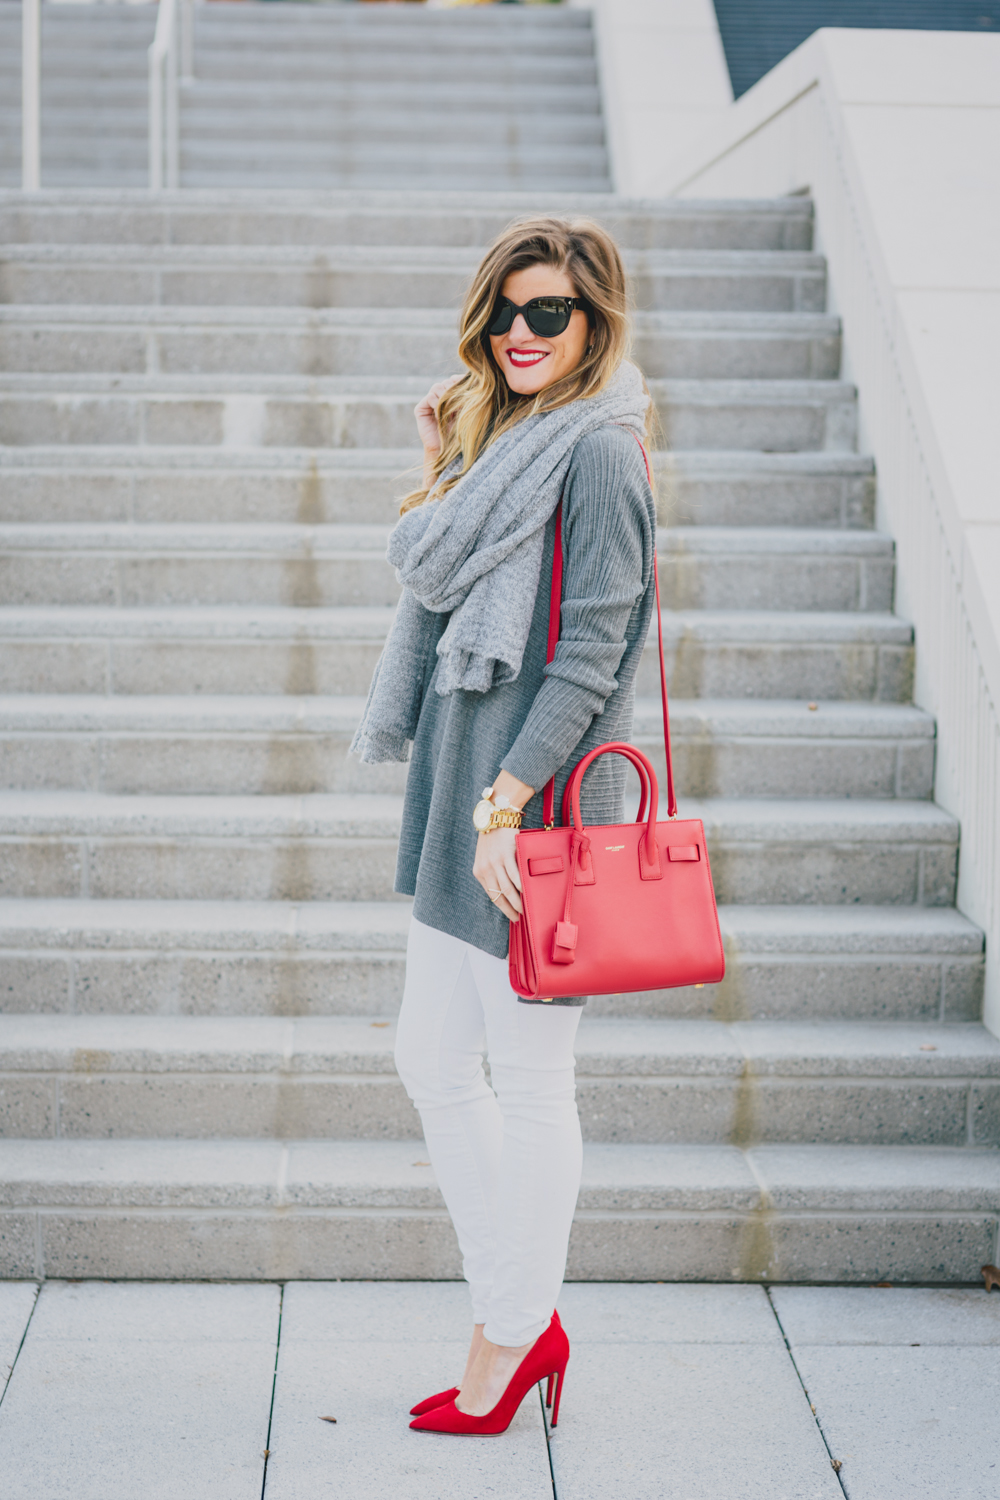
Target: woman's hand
(495,865)
(426,413)
(496,870)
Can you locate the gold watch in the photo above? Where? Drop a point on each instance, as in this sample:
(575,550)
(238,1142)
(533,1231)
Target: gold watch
(494,812)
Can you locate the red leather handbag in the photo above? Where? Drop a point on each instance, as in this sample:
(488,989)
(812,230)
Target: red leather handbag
(624,906)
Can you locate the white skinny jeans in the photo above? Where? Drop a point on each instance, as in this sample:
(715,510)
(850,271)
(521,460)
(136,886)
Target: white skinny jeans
(508,1163)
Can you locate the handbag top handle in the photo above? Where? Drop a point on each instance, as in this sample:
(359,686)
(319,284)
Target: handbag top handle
(555,610)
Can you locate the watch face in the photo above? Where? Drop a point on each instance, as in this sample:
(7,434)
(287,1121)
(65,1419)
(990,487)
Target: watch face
(481,815)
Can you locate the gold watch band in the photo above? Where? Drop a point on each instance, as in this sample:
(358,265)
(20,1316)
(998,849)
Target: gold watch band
(504,817)
(489,814)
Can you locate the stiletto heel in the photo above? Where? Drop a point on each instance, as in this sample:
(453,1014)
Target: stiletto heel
(548,1390)
(560,1379)
(548,1356)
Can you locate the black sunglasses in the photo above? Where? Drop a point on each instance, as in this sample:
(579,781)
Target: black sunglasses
(545,316)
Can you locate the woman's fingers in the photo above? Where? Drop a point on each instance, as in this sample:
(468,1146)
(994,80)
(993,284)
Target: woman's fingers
(496,870)
(440,389)
(513,873)
(508,889)
(426,411)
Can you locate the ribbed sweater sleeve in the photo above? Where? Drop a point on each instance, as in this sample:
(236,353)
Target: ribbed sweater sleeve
(608,549)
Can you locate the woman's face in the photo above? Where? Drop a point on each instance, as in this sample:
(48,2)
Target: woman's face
(528,362)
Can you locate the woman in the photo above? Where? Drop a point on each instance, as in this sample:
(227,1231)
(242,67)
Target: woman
(549,411)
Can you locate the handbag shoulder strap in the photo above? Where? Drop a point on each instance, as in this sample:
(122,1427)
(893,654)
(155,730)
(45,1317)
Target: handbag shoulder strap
(555,610)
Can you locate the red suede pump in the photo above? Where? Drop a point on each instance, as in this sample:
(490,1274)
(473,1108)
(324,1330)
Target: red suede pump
(449,1395)
(548,1356)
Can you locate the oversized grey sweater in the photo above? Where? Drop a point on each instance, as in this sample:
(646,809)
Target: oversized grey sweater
(544,721)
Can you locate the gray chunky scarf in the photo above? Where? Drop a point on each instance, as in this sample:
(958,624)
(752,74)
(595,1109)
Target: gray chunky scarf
(477,555)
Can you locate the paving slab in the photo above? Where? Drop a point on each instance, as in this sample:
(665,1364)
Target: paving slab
(17,1298)
(855,1315)
(365,1352)
(686,1391)
(158,1390)
(904,1383)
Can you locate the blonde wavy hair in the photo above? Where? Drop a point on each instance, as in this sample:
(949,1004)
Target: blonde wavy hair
(481,406)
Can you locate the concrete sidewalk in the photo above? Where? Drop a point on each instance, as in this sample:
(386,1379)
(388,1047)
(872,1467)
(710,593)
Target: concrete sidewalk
(180,1391)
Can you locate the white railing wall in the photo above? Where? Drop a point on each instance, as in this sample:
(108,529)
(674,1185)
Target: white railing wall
(31,95)
(791,133)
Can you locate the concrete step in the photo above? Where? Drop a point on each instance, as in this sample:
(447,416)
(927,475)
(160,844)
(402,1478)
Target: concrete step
(346,25)
(226,106)
(299,114)
(215,745)
(106,161)
(68,483)
(504,152)
(240,958)
(41,338)
(91,174)
(244,53)
(335,847)
(181,649)
(359,275)
(783,748)
(678,1082)
(326,19)
(368,65)
(129,170)
(706,567)
(244,563)
(267,1209)
(442,218)
(247,412)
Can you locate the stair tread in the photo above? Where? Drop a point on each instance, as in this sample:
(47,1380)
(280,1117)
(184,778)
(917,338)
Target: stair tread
(389,257)
(231,1175)
(316,713)
(452,201)
(266,925)
(652,1048)
(388,388)
(275,539)
(372,815)
(362,622)
(294,318)
(391,461)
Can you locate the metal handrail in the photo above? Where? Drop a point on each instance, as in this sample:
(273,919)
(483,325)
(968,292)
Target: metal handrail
(164,101)
(31,96)
(170,39)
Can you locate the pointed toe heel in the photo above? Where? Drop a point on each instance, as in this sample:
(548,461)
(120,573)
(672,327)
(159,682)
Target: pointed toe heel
(548,1356)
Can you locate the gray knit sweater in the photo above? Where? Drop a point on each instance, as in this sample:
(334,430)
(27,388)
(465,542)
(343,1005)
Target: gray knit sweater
(542,723)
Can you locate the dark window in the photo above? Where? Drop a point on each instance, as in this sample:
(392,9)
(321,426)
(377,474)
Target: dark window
(757,34)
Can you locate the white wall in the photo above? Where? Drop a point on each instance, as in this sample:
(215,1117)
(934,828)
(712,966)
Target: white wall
(663,82)
(897,136)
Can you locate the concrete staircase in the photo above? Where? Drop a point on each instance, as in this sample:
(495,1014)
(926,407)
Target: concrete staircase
(319,96)
(206,406)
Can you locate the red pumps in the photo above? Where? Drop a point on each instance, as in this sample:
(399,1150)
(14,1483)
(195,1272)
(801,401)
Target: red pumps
(548,1355)
(443,1397)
